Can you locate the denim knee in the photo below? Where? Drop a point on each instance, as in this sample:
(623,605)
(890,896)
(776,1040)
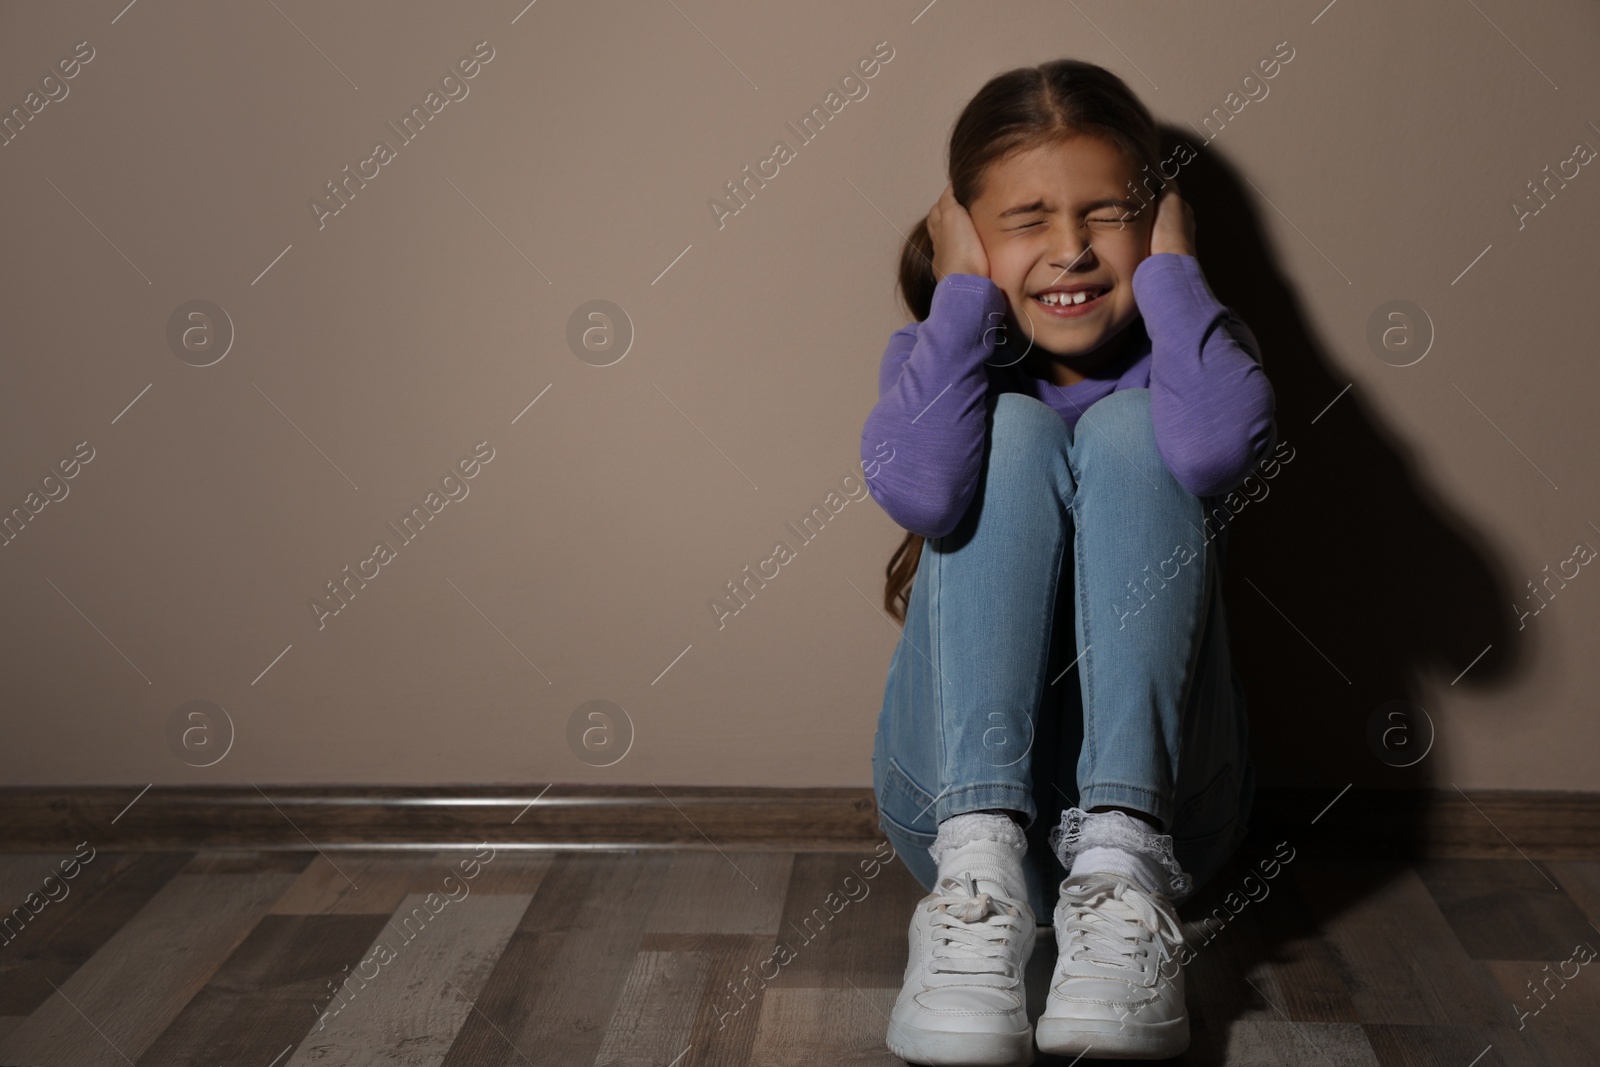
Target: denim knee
(1022,425)
(1118,427)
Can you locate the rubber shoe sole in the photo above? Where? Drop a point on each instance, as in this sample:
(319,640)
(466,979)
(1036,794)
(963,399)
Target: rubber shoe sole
(1111,1039)
(945,1048)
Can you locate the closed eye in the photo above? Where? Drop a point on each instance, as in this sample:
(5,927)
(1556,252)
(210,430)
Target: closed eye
(1117,219)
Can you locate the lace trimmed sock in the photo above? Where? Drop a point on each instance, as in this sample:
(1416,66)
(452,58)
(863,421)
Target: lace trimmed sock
(1114,841)
(987,845)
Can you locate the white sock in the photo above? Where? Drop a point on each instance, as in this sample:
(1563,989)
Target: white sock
(1117,842)
(1142,869)
(987,846)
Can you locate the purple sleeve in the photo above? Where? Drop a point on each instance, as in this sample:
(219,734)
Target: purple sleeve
(1212,407)
(922,445)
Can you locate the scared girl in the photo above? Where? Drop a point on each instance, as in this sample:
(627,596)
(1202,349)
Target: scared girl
(1062,413)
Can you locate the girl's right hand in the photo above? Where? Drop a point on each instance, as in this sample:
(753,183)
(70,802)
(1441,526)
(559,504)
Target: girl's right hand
(956,246)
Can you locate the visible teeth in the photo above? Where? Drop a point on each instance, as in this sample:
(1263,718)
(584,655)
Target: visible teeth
(1065,299)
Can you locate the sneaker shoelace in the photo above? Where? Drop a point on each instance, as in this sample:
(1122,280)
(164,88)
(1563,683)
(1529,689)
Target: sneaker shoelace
(1107,919)
(972,931)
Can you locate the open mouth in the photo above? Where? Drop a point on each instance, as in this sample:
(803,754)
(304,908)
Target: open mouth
(1071,304)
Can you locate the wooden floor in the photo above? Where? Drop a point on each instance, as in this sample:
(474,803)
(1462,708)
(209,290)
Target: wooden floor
(578,958)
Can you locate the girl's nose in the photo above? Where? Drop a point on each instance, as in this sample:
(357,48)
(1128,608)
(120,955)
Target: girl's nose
(1072,252)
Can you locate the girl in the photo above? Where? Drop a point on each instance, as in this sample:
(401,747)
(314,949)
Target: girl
(1057,425)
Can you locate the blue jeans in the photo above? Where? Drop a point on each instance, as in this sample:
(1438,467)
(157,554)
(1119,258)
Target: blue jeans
(981,710)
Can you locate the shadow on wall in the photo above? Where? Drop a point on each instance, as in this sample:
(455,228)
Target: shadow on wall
(1349,543)
(1377,580)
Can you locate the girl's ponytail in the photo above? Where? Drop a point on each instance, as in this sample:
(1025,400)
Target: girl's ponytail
(916,271)
(901,570)
(916,292)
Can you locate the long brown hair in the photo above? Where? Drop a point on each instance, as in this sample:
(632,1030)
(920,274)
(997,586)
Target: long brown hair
(1021,109)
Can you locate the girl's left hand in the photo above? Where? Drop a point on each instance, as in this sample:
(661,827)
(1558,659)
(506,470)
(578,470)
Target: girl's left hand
(1174,226)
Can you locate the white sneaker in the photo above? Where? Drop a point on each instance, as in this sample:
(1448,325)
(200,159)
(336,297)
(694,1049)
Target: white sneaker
(962,1001)
(1117,991)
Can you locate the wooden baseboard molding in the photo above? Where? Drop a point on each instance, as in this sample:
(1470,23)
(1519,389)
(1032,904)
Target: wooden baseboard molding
(1418,822)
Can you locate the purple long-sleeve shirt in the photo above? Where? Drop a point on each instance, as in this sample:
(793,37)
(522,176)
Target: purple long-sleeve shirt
(1211,405)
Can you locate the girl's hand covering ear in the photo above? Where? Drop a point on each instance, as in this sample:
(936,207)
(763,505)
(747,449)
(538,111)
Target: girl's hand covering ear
(1174,226)
(957,248)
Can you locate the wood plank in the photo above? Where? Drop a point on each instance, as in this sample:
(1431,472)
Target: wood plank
(374,883)
(560,977)
(1552,996)
(354,883)
(1399,956)
(841,924)
(804,1027)
(106,893)
(655,1011)
(114,1006)
(1262,930)
(416,984)
(1258,1042)
(724,1029)
(24,873)
(1505,909)
(740,970)
(722,893)
(1562,1042)
(1450,1046)
(1580,880)
(495,871)
(263,999)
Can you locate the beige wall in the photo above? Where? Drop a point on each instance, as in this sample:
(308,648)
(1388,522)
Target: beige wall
(430,312)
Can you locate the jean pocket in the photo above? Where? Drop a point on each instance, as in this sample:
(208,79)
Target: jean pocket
(906,805)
